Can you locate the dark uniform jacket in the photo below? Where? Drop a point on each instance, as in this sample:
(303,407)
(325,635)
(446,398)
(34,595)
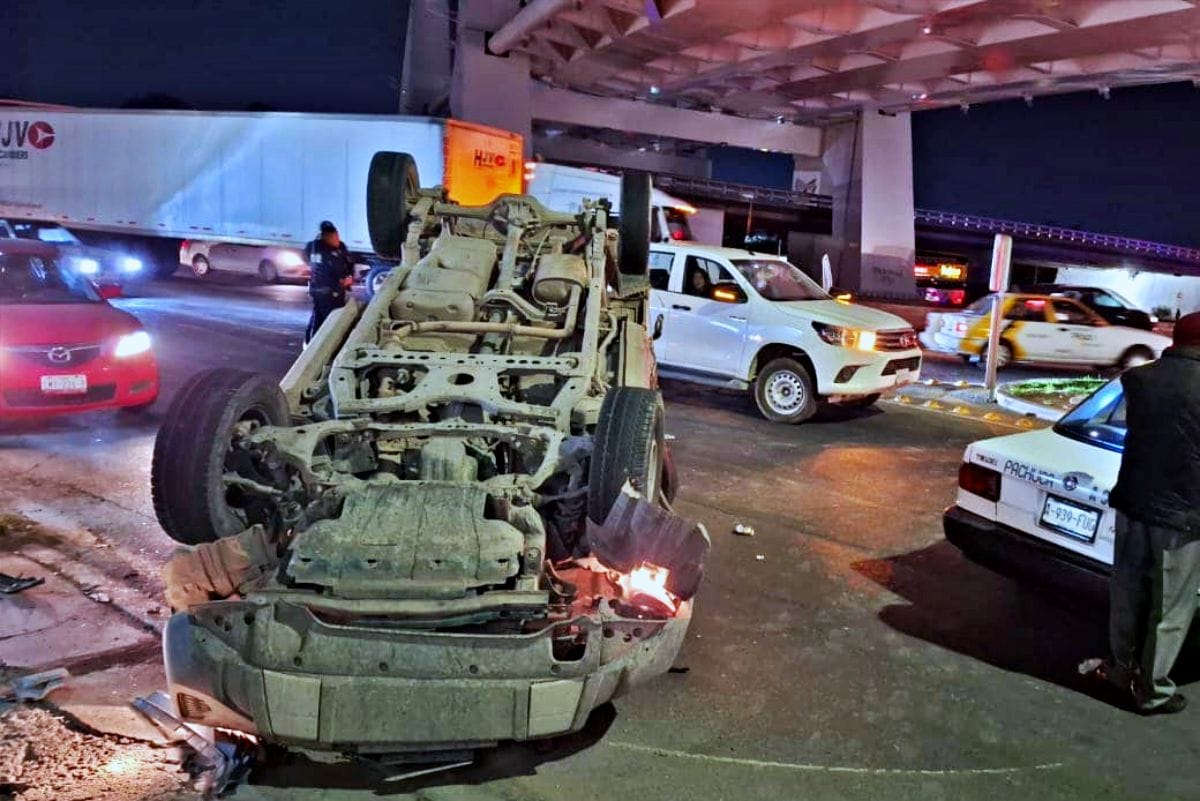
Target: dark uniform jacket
(1159,482)
(329,266)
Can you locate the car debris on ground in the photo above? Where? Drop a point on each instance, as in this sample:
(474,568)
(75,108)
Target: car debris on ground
(743,530)
(13,584)
(35,686)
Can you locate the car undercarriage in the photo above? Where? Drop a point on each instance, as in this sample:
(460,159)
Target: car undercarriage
(449,525)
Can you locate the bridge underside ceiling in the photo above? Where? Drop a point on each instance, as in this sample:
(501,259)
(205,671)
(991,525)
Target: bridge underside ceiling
(815,61)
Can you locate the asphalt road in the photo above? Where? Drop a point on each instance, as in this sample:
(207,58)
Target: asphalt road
(845,651)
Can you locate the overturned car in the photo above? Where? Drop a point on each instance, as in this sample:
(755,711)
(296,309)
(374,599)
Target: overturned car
(449,525)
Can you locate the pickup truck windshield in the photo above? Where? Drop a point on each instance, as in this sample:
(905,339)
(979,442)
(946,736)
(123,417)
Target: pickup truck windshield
(1099,420)
(778,280)
(45,233)
(29,279)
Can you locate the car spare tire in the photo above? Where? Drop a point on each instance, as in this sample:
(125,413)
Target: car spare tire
(392,184)
(635,223)
(196,446)
(629,445)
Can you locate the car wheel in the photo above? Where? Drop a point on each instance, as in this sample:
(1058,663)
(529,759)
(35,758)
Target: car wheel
(267,272)
(197,446)
(1004,357)
(392,187)
(1135,356)
(784,392)
(629,445)
(635,227)
(375,278)
(201,267)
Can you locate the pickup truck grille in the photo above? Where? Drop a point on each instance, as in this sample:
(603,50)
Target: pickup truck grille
(900,339)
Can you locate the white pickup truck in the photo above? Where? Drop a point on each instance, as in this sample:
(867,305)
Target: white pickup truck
(740,319)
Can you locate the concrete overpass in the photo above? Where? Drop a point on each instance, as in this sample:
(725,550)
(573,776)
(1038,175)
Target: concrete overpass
(655,84)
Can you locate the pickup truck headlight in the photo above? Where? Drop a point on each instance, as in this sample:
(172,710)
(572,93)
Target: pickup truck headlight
(854,338)
(134,344)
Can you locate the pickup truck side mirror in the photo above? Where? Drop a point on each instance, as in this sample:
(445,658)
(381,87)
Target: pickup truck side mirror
(727,292)
(658,326)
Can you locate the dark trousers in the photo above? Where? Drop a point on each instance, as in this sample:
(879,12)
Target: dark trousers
(323,306)
(1152,596)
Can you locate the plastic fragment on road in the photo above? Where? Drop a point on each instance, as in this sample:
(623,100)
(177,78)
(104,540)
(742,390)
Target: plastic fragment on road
(226,762)
(743,530)
(14,584)
(760,557)
(37,686)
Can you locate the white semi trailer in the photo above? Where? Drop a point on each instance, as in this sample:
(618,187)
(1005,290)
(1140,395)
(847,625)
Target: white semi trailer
(261,178)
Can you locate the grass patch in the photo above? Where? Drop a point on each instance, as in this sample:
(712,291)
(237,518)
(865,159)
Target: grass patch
(1062,387)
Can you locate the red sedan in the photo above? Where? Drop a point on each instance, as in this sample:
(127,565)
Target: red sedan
(63,348)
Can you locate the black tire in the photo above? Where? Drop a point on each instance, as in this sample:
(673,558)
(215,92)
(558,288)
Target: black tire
(375,275)
(1137,355)
(267,272)
(785,392)
(635,223)
(629,445)
(1005,357)
(193,447)
(201,267)
(392,183)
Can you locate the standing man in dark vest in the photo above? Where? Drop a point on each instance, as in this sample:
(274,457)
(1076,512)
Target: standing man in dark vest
(1156,559)
(332,275)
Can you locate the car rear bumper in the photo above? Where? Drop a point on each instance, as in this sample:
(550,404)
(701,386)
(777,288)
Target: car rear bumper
(110,386)
(277,671)
(1011,551)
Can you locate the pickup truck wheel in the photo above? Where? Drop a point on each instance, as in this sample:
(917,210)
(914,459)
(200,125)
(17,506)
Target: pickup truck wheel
(197,446)
(200,267)
(375,279)
(629,445)
(784,392)
(635,224)
(392,185)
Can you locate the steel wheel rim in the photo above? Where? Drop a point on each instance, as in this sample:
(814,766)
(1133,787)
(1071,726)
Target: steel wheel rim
(785,392)
(200,266)
(651,493)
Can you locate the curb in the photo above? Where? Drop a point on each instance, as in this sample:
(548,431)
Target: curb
(954,399)
(1024,407)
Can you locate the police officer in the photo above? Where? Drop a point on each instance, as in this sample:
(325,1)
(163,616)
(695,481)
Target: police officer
(1157,497)
(332,274)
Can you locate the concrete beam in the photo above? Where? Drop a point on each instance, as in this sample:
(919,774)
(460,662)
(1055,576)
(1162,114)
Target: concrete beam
(568,149)
(572,108)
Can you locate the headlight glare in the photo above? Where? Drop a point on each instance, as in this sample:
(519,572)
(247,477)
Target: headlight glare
(133,344)
(131,265)
(87,266)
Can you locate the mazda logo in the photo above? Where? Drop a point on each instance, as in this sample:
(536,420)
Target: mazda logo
(58,355)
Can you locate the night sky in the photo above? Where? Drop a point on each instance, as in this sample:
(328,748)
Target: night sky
(1129,165)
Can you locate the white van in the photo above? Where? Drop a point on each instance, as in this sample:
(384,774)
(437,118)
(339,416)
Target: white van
(563,188)
(745,320)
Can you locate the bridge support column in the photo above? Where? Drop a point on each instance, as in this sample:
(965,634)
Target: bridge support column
(868,170)
(488,89)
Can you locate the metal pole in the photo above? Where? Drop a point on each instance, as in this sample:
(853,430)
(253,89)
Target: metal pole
(998,283)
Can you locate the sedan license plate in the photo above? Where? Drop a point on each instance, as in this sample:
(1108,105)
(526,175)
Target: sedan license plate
(64,384)
(1070,518)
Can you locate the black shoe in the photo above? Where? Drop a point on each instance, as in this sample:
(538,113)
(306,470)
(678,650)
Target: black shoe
(1176,703)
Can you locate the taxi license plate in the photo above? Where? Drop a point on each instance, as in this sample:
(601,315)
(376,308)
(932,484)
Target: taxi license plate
(1071,519)
(64,384)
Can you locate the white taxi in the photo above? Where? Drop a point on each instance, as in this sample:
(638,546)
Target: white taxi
(1042,328)
(1036,503)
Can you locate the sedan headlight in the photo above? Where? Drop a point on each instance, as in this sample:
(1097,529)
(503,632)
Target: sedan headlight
(854,338)
(131,265)
(133,344)
(87,266)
